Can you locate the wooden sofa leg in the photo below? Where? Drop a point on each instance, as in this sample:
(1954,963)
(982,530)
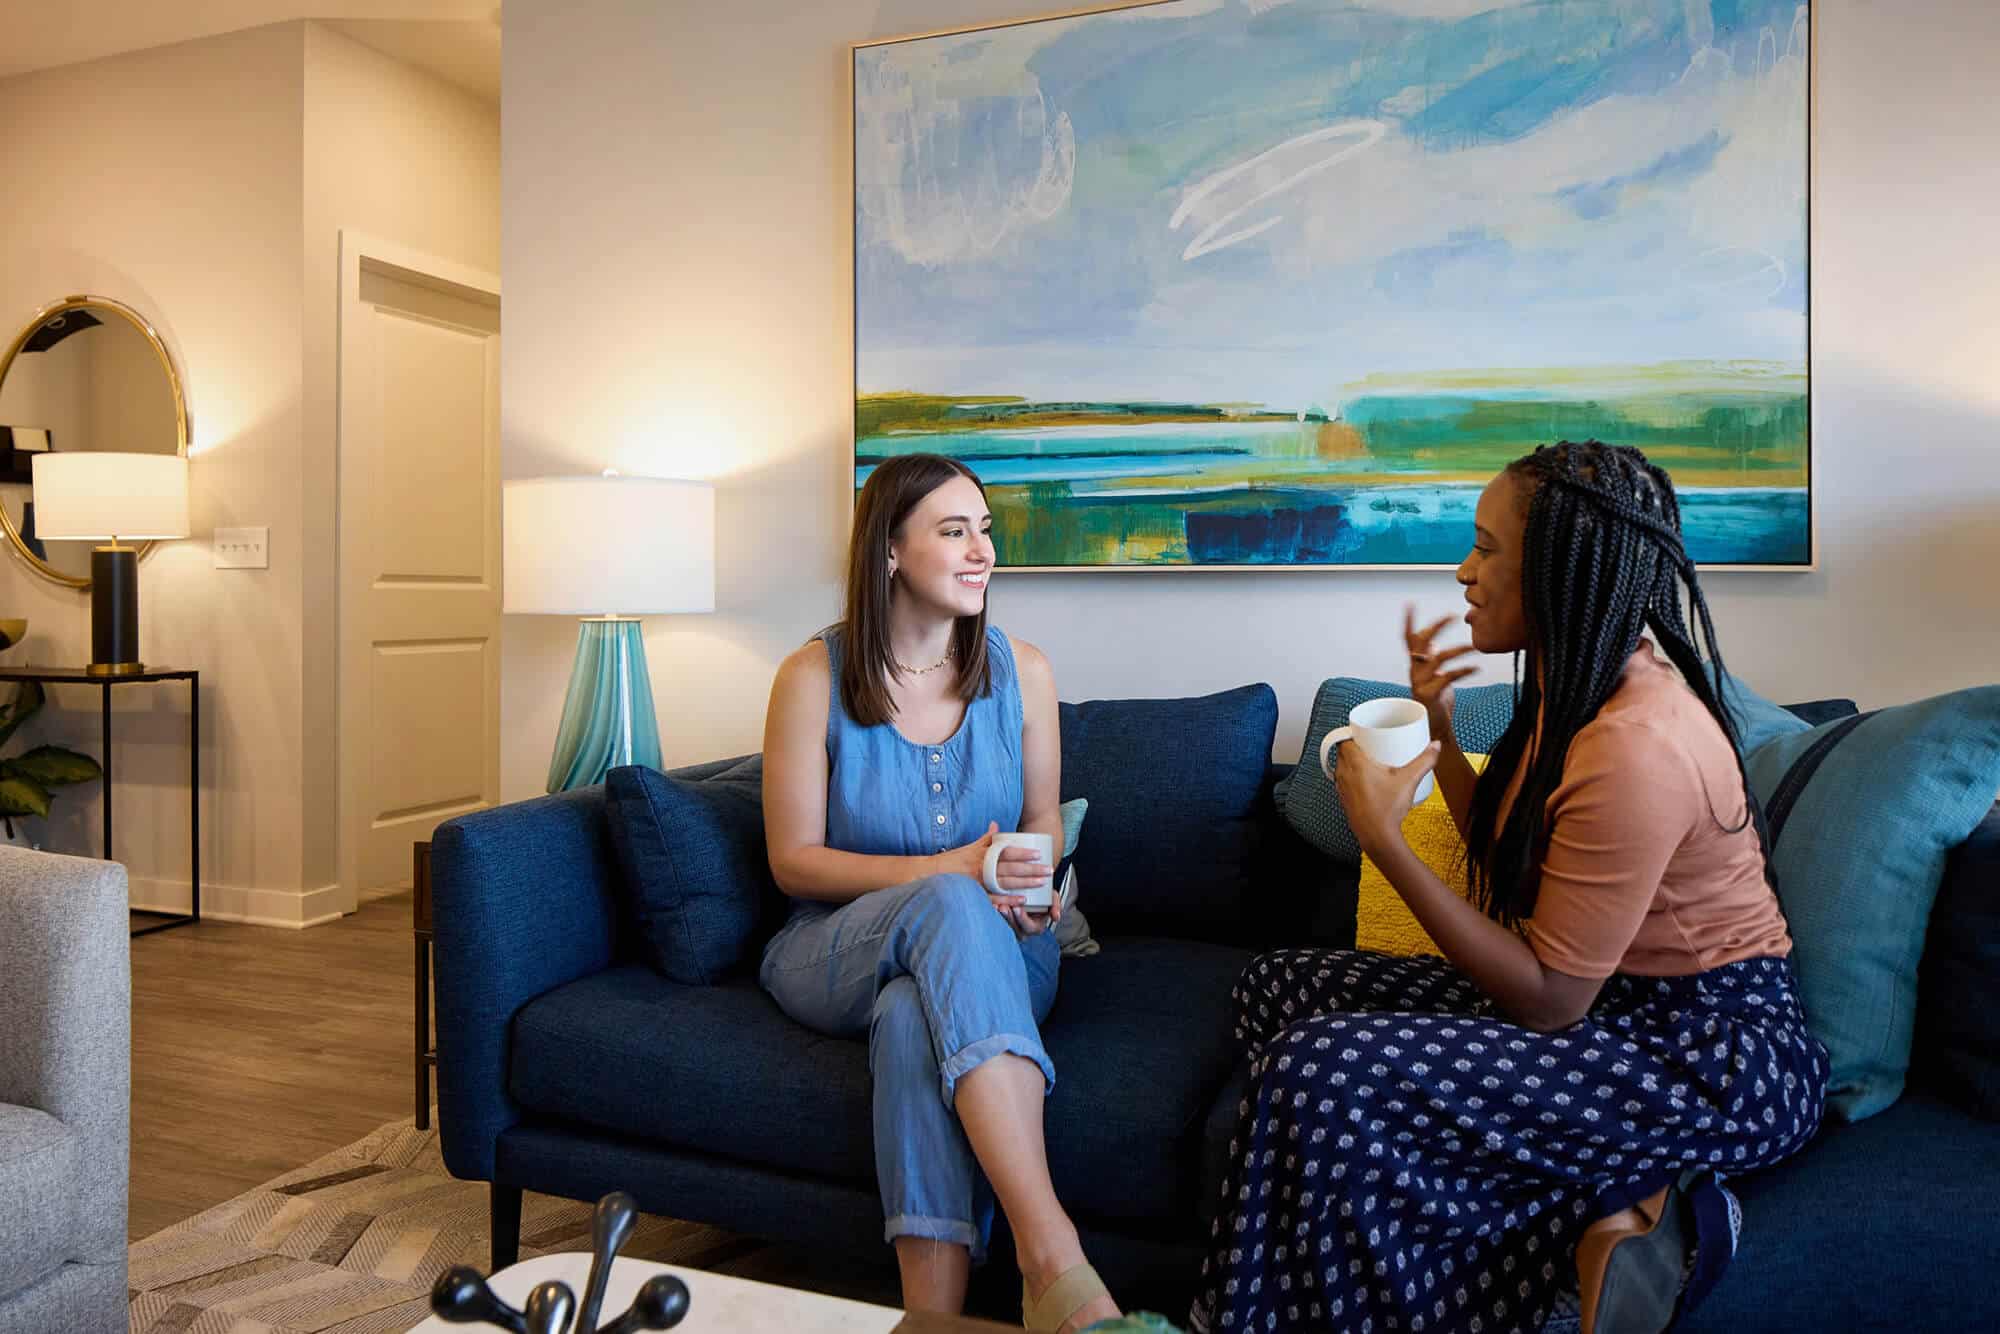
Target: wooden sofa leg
(504,1212)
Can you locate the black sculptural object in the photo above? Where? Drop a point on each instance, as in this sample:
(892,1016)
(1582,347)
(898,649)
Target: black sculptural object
(660,1303)
(610,1229)
(549,1308)
(461,1297)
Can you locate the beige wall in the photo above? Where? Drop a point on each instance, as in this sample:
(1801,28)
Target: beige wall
(206,184)
(171,180)
(690,159)
(400,156)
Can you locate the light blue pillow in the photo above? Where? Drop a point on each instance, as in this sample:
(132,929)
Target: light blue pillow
(1758,721)
(1479,715)
(1072,813)
(1866,811)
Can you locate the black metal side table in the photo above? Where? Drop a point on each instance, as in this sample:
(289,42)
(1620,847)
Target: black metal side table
(77,676)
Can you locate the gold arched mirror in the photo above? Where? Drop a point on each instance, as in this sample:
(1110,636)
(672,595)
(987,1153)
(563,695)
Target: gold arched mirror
(87,373)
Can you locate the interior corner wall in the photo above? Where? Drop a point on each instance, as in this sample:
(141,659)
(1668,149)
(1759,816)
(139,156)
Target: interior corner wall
(689,161)
(401,156)
(170,179)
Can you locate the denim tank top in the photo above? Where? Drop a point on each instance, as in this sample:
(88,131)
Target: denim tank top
(888,796)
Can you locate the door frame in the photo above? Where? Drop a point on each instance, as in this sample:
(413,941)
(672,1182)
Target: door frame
(424,269)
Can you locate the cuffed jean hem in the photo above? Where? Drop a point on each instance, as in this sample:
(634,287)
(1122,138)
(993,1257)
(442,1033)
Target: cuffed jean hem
(969,1058)
(955,1231)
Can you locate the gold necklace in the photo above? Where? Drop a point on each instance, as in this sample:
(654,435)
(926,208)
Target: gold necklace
(908,670)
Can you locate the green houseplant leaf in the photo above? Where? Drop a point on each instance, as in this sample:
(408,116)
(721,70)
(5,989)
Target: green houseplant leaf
(25,780)
(23,796)
(52,766)
(27,703)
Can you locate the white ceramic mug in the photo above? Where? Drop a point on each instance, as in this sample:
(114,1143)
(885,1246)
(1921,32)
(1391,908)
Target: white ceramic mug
(1045,853)
(1393,732)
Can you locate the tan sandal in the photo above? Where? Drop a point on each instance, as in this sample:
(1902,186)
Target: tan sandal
(1074,1289)
(1628,1267)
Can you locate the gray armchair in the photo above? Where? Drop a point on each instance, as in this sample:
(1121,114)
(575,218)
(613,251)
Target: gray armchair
(65,1092)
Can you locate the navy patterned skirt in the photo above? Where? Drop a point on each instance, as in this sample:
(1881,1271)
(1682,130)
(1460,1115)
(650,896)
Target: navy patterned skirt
(1407,1160)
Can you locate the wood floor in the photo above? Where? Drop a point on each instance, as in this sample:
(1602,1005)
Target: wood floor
(255,1049)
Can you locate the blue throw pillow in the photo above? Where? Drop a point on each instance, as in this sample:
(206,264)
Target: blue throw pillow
(693,853)
(1479,715)
(1173,786)
(1864,812)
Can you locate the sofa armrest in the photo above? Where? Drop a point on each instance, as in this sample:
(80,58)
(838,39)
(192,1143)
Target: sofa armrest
(1974,865)
(66,1043)
(524,900)
(1955,1045)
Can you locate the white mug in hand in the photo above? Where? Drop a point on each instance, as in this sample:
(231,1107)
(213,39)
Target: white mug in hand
(1393,732)
(1044,848)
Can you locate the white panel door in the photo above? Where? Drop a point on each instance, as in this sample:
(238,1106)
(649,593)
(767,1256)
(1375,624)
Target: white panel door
(420,561)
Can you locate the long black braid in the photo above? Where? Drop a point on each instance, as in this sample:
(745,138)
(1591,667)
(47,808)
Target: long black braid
(1603,561)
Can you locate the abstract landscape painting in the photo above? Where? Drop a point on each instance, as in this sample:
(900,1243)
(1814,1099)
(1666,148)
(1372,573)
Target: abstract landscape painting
(1282,283)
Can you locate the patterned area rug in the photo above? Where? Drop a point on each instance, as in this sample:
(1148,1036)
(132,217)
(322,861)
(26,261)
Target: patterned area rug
(351,1243)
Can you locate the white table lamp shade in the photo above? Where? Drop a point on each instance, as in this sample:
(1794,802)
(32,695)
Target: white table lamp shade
(618,546)
(94,497)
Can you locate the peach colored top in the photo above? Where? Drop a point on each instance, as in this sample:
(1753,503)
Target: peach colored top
(1642,874)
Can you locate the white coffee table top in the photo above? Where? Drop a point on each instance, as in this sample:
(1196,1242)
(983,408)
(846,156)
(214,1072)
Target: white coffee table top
(716,1301)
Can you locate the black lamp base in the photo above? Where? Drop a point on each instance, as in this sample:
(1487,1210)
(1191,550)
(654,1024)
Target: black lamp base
(114,612)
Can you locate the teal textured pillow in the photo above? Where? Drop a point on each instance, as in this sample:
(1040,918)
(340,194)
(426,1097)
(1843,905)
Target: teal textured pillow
(1866,811)
(1479,715)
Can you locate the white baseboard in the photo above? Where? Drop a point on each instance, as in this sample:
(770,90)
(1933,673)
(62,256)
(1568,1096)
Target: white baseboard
(293,908)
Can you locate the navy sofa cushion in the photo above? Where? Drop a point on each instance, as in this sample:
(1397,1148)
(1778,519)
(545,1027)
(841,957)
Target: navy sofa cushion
(698,880)
(1817,711)
(1174,788)
(1957,1041)
(717,1068)
(1139,1037)
(1884,1224)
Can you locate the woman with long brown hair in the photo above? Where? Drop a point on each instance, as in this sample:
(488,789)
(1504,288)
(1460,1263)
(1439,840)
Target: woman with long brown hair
(898,743)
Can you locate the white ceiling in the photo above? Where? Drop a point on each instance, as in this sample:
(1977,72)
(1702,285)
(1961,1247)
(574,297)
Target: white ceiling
(458,40)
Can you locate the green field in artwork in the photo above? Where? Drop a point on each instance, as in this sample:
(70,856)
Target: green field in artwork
(1389,476)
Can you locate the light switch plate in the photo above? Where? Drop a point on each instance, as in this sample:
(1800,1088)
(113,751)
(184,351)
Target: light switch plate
(242,548)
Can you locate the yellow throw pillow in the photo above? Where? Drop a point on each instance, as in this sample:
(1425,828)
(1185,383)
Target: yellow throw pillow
(1382,922)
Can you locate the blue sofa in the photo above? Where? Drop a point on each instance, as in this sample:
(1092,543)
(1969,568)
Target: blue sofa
(566,1065)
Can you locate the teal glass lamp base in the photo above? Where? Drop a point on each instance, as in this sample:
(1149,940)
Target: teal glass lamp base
(608,713)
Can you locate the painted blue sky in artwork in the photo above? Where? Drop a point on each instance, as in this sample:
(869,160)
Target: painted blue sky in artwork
(1264,200)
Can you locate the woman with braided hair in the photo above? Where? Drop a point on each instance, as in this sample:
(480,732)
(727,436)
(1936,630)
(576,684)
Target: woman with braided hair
(1447,1143)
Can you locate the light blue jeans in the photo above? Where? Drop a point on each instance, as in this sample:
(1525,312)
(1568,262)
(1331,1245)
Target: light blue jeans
(941,984)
